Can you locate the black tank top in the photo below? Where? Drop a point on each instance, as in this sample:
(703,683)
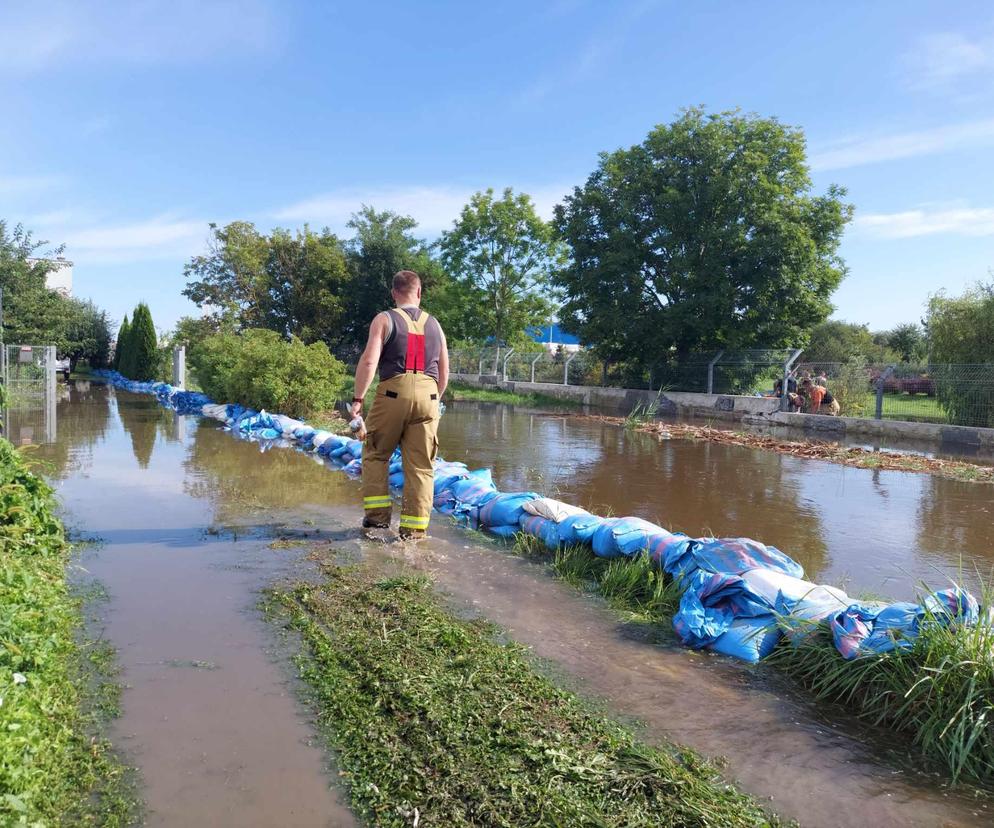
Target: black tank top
(414,344)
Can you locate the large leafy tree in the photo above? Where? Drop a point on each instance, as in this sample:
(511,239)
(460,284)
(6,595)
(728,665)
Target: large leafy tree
(34,314)
(836,341)
(705,235)
(384,242)
(293,283)
(501,249)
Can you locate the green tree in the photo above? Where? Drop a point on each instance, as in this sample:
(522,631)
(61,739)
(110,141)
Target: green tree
(835,341)
(84,335)
(121,344)
(384,242)
(706,235)
(292,283)
(502,248)
(142,356)
(908,342)
(961,346)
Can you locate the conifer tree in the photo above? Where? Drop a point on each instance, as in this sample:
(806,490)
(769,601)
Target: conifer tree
(144,345)
(122,338)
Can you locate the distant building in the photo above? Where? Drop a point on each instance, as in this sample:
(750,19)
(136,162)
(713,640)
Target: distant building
(59,276)
(554,339)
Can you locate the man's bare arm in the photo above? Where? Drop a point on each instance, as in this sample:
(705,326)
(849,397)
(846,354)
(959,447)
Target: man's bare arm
(443,366)
(370,358)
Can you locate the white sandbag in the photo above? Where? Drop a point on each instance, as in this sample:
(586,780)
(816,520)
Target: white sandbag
(288,425)
(806,599)
(319,438)
(554,510)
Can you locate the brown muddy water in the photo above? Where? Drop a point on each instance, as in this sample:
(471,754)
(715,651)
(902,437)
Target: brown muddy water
(186,512)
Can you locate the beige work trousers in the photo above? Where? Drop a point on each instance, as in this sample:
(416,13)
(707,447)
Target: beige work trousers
(405,414)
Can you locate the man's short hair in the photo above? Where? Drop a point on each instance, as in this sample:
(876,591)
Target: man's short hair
(406,282)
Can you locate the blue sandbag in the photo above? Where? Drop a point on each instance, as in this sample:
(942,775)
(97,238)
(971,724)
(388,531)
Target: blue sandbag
(625,536)
(711,602)
(505,509)
(749,639)
(474,490)
(353,468)
(580,528)
(542,528)
(727,556)
(505,531)
(397,480)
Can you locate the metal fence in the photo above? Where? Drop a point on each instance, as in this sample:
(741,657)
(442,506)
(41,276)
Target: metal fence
(949,394)
(719,372)
(912,392)
(28,375)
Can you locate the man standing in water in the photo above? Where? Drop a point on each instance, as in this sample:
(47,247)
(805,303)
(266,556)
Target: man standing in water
(407,347)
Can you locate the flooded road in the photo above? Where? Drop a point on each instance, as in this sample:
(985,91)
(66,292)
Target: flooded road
(186,511)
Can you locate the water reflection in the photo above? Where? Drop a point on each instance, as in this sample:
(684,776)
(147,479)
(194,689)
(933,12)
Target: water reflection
(879,532)
(145,420)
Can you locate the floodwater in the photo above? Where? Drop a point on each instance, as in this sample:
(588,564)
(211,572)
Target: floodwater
(186,510)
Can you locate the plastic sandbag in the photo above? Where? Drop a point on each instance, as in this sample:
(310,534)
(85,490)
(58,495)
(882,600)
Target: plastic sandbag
(397,480)
(554,510)
(544,529)
(504,531)
(625,536)
(579,528)
(505,509)
(474,490)
(711,602)
(749,639)
(728,556)
(353,468)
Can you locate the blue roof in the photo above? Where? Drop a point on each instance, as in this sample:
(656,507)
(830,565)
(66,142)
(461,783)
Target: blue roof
(554,334)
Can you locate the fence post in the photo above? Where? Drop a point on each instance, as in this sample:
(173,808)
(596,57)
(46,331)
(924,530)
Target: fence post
(179,366)
(784,393)
(541,354)
(879,414)
(566,367)
(711,365)
(480,369)
(51,408)
(503,369)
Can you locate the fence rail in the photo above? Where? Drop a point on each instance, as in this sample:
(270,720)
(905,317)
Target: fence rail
(949,394)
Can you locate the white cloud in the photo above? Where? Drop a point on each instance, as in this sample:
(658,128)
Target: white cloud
(161,237)
(590,56)
(948,220)
(856,152)
(949,59)
(27,184)
(433,207)
(36,36)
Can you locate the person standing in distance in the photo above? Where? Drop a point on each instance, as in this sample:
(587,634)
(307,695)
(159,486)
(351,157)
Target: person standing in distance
(408,348)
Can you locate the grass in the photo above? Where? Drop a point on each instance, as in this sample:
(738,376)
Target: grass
(55,685)
(636,586)
(437,722)
(940,691)
(461,391)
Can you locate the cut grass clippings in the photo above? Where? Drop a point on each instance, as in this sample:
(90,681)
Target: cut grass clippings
(437,723)
(54,769)
(817,450)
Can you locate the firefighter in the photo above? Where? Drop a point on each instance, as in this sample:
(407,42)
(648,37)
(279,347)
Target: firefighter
(408,349)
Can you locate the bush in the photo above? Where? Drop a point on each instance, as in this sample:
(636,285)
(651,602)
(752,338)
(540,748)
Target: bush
(852,388)
(262,370)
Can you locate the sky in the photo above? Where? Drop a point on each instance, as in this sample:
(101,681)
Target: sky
(126,128)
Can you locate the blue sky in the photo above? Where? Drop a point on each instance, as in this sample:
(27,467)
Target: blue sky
(127,127)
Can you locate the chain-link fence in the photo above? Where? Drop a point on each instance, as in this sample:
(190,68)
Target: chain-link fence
(927,393)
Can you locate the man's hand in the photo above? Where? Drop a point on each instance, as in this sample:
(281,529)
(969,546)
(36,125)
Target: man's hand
(356,408)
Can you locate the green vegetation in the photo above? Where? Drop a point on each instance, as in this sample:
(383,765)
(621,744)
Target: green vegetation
(436,722)
(960,338)
(503,250)
(138,355)
(54,769)
(35,315)
(706,235)
(262,370)
(121,343)
(940,691)
(460,391)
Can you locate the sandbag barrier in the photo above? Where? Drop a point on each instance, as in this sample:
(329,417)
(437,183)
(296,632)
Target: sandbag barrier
(739,597)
